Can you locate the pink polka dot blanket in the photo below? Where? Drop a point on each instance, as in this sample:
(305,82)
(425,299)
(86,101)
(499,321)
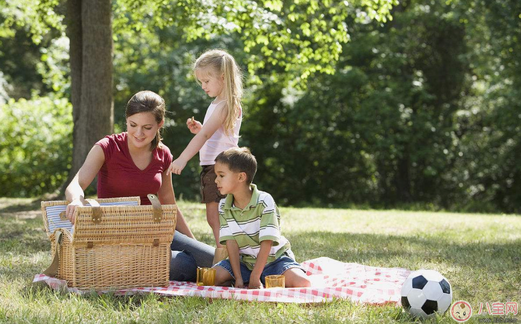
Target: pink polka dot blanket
(331,279)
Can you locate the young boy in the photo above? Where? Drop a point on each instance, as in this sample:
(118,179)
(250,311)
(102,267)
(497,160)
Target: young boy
(250,229)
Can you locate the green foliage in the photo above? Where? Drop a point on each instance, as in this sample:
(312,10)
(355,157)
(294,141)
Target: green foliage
(19,57)
(419,111)
(276,43)
(381,129)
(38,17)
(53,65)
(492,131)
(296,38)
(35,145)
(422,109)
(302,37)
(415,80)
(33,49)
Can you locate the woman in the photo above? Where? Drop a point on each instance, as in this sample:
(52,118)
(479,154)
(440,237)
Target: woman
(134,163)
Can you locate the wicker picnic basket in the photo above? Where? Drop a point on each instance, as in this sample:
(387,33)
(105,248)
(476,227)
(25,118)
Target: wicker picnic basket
(114,244)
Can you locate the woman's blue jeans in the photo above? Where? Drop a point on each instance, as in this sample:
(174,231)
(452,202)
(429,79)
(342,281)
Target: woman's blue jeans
(187,255)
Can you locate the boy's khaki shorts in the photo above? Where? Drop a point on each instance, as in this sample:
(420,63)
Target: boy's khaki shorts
(209,192)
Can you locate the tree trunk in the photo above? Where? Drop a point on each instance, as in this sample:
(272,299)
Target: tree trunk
(89,29)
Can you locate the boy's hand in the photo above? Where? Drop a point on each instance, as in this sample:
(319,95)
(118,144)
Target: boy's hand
(193,125)
(176,167)
(262,257)
(255,283)
(239,283)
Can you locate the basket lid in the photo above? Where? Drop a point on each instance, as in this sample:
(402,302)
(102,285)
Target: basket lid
(52,211)
(124,224)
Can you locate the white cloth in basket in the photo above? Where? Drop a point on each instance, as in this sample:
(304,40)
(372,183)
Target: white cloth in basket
(55,222)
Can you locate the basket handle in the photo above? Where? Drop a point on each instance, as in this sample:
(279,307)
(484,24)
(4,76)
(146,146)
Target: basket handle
(96,210)
(158,211)
(52,270)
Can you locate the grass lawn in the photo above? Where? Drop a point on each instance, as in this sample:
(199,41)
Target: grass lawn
(479,254)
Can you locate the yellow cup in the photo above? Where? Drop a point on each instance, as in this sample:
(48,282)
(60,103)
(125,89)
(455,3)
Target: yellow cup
(205,276)
(275,281)
(209,277)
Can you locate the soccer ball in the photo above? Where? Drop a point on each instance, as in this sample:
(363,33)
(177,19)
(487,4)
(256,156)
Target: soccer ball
(426,292)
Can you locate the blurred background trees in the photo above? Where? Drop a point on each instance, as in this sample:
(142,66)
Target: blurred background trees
(419,111)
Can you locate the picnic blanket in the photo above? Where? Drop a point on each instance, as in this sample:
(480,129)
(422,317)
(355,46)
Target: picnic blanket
(331,279)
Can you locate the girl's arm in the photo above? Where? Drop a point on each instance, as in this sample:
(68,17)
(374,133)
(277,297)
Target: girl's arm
(166,196)
(75,190)
(215,121)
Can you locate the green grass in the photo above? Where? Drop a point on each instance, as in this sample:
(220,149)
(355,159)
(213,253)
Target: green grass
(479,254)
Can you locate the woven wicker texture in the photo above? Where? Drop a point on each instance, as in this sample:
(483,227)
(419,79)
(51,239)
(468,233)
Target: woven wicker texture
(51,211)
(126,249)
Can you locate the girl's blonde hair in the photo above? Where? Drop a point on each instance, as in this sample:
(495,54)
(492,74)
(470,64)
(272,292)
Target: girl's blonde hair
(218,62)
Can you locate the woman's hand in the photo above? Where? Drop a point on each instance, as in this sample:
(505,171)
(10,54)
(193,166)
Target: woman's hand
(69,212)
(193,125)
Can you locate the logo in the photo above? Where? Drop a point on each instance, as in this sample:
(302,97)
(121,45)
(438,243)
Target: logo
(461,311)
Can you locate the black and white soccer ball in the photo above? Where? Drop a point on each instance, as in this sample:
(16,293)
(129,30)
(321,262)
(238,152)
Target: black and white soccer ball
(425,293)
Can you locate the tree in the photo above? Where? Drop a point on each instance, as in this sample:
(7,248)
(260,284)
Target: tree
(301,36)
(378,131)
(490,129)
(89,29)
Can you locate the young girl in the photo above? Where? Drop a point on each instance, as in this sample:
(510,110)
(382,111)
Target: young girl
(220,78)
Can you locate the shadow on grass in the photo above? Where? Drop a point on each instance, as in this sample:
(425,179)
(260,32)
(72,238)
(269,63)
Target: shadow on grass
(368,249)
(23,237)
(404,251)
(20,207)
